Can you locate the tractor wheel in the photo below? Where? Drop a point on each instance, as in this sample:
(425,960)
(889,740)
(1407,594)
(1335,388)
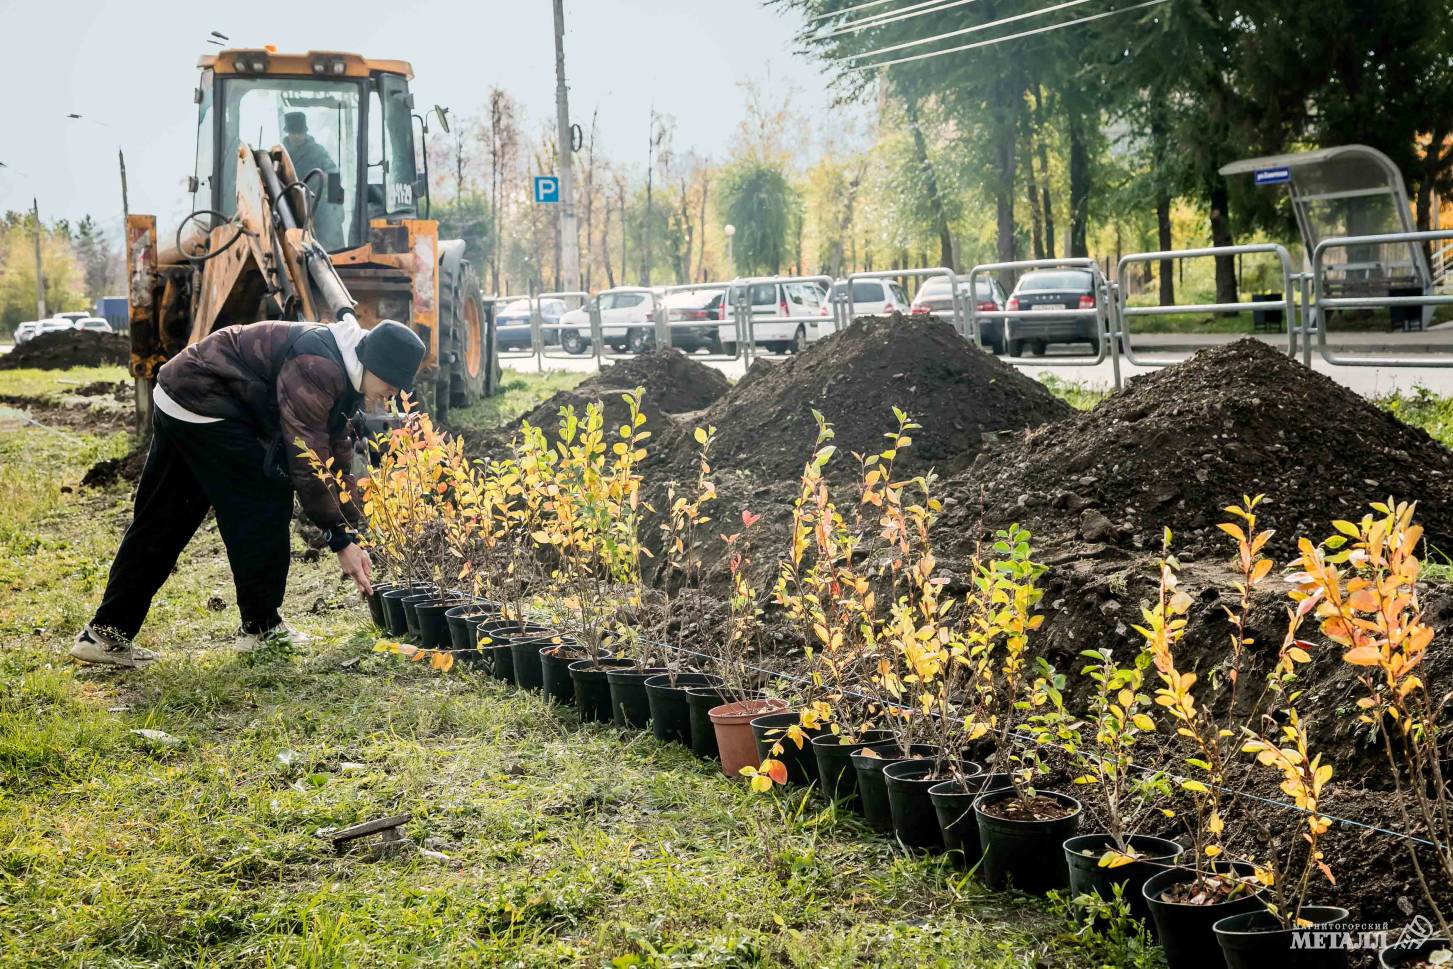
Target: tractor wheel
(464,352)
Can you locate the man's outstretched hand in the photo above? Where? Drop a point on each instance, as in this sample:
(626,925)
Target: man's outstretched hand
(357,566)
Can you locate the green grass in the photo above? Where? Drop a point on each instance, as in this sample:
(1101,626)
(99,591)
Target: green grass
(520,393)
(1081,395)
(567,844)
(54,383)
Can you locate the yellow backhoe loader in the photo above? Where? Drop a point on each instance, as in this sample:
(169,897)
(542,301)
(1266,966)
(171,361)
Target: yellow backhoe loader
(309,203)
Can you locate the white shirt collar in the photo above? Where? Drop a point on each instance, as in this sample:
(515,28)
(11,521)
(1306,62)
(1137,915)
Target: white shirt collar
(348,335)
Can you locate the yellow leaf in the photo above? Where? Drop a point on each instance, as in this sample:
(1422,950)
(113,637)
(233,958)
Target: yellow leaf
(1298,655)
(1114,859)
(1143,721)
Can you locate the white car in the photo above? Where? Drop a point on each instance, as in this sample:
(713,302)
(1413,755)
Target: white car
(786,317)
(55,324)
(73,316)
(96,324)
(871,297)
(26,331)
(626,323)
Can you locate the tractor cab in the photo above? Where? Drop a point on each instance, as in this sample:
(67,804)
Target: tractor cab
(347,124)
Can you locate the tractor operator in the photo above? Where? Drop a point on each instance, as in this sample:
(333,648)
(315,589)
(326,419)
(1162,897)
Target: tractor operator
(307,156)
(231,415)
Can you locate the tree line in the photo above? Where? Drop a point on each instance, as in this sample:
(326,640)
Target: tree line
(81,266)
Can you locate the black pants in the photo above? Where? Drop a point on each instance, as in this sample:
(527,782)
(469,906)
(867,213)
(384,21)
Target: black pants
(190,468)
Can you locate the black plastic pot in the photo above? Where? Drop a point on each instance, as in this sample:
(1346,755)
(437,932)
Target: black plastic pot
(525,655)
(1083,853)
(1026,855)
(629,704)
(1185,931)
(908,783)
(464,623)
(953,804)
(701,700)
(592,689)
(375,604)
(492,649)
(835,766)
(411,615)
(670,711)
(393,609)
(555,670)
(1256,940)
(433,624)
(871,789)
(1398,956)
(770,729)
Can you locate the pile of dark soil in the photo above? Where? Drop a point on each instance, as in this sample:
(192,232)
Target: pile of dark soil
(111,470)
(63,349)
(1177,446)
(959,395)
(765,428)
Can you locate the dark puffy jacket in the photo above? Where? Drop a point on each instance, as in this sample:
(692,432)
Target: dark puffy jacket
(248,373)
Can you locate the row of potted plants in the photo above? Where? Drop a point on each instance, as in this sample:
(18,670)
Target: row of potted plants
(926,711)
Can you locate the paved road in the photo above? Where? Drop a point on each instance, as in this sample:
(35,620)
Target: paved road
(1370,381)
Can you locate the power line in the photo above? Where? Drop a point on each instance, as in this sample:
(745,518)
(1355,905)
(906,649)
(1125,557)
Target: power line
(903,13)
(839,13)
(999,40)
(968,30)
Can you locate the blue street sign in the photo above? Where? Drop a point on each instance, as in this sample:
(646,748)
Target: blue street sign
(547,188)
(1273,176)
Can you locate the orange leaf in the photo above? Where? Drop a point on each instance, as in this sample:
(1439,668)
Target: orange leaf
(776,770)
(1362,656)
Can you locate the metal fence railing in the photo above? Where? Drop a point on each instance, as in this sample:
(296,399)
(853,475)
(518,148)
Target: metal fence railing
(1319,304)
(1125,312)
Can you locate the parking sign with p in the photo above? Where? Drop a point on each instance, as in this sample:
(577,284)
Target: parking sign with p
(547,188)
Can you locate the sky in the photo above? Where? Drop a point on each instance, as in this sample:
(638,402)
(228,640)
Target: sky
(129,69)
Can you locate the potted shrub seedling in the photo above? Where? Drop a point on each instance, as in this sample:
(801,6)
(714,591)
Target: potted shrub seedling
(670,705)
(731,721)
(1119,725)
(1022,829)
(1186,901)
(1362,587)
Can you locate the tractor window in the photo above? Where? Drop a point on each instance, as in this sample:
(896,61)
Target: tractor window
(205,146)
(317,123)
(399,168)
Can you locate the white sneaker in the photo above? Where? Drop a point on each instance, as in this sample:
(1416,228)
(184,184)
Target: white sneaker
(102,647)
(280,635)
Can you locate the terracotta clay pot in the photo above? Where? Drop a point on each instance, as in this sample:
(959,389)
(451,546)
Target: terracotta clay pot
(734,738)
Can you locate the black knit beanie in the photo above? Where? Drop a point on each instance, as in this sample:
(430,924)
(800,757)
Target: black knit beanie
(392,352)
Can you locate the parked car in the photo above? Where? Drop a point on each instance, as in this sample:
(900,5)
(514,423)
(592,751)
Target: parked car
(626,320)
(1042,291)
(872,297)
(786,317)
(689,306)
(512,323)
(933,297)
(55,324)
(95,324)
(72,315)
(26,331)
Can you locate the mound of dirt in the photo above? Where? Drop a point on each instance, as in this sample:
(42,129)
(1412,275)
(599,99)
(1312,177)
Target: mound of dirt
(958,394)
(1177,446)
(672,382)
(62,349)
(111,470)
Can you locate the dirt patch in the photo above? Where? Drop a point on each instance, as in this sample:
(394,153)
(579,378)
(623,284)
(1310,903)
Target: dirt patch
(111,470)
(1177,446)
(63,349)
